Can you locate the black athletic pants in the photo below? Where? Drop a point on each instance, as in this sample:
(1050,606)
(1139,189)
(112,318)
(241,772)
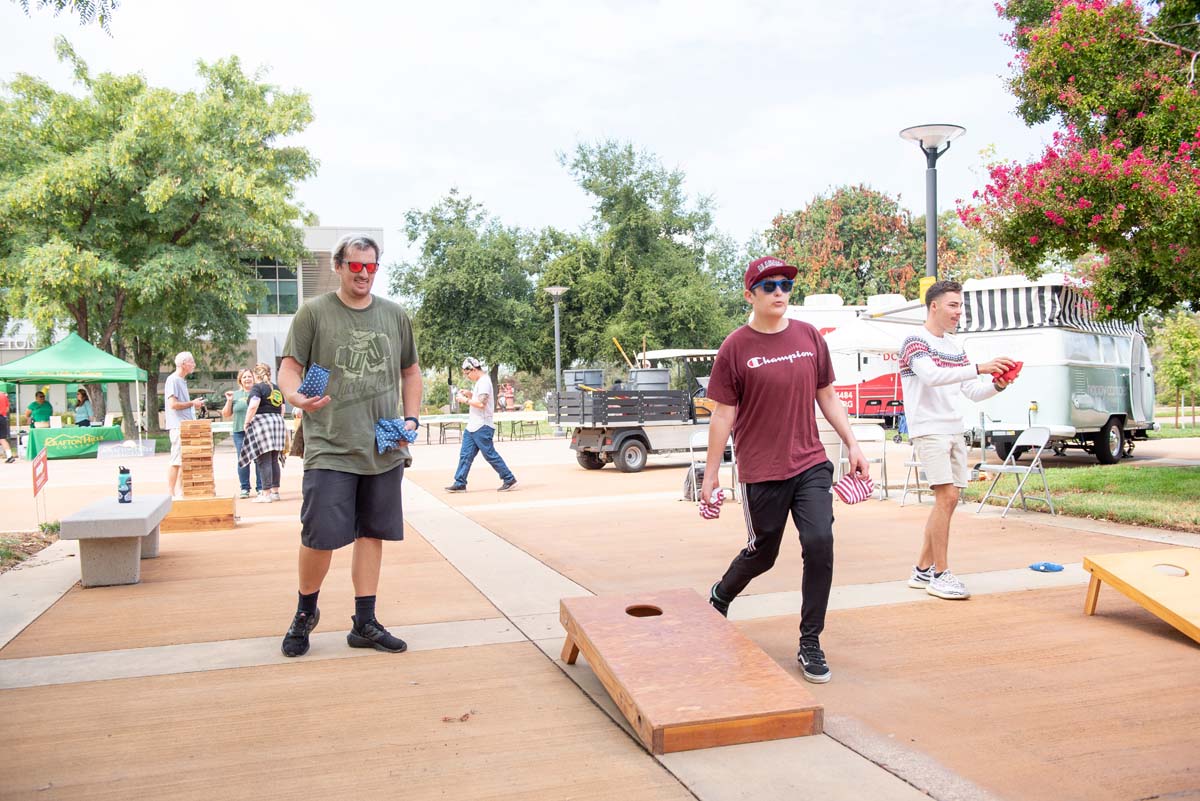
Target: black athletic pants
(766,505)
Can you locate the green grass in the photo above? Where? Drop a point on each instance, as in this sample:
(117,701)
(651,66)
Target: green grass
(7,553)
(1163,497)
(1171,432)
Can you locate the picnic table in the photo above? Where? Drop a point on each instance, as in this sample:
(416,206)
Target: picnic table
(519,424)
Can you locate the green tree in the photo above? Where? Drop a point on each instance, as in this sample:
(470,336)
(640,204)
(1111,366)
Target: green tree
(646,266)
(1118,187)
(856,242)
(1179,366)
(470,288)
(89,11)
(129,204)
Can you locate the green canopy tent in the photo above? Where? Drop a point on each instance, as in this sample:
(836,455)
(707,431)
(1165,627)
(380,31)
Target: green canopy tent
(74,361)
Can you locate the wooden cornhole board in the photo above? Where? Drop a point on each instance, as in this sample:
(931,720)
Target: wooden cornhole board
(1145,577)
(685,678)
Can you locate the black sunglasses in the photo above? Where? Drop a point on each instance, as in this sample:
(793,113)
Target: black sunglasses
(771,284)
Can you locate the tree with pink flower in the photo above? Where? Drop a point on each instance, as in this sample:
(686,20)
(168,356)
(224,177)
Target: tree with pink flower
(1118,189)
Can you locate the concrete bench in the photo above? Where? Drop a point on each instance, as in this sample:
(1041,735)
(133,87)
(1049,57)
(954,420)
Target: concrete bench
(115,537)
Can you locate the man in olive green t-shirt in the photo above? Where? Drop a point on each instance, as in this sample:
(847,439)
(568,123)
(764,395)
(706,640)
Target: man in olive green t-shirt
(351,491)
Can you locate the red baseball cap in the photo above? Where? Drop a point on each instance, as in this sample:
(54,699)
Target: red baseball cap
(765,268)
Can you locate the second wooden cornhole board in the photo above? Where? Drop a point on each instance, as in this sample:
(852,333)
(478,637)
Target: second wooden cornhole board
(683,676)
(1166,583)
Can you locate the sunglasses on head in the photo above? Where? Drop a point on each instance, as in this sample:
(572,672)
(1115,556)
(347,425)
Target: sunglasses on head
(771,284)
(359,266)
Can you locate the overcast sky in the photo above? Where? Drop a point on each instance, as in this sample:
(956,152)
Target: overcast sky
(762,105)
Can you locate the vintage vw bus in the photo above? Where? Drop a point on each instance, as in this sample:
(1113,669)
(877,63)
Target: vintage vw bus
(1089,381)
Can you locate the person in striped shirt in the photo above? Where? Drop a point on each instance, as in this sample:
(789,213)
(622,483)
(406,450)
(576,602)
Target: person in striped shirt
(934,371)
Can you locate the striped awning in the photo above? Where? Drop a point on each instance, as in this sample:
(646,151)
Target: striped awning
(1040,306)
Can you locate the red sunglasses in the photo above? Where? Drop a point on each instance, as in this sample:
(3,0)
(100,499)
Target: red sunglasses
(359,266)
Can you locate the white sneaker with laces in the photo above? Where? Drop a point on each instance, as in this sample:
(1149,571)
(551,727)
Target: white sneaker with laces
(948,586)
(275,497)
(919,579)
(264,498)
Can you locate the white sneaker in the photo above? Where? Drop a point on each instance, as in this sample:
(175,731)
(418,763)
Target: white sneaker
(919,579)
(948,586)
(275,497)
(264,498)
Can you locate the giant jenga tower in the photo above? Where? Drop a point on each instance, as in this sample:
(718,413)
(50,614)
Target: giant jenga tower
(199,509)
(196,438)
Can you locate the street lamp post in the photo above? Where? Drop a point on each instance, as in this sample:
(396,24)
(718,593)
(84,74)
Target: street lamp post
(934,140)
(557,292)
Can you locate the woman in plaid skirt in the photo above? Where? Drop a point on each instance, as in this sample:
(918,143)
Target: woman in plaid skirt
(266,434)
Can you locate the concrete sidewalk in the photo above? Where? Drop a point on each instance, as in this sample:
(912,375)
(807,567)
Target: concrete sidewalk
(175,688)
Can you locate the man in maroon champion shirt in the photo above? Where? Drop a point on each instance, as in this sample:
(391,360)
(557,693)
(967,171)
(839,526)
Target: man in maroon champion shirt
(764,380)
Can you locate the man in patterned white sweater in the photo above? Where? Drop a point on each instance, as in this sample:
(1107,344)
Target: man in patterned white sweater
(934,371)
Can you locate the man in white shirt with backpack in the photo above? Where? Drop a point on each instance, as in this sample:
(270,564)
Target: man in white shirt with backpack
(934,371)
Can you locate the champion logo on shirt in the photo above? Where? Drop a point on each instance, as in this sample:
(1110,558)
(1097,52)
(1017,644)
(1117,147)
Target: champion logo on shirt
(759,361)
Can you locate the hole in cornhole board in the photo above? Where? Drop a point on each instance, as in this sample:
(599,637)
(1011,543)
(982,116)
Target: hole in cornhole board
(673,701)
(1172,570)
(643,610)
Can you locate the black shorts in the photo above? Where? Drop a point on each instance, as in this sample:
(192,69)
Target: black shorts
(340,507)
(4,426)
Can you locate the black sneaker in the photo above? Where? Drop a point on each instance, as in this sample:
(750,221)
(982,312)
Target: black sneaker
(507,485)
(456,488)
(295,642)
(812,660)
(718,604)
(373,635)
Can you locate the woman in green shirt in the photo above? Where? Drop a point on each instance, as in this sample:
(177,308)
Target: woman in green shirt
(39,411)
(235,409)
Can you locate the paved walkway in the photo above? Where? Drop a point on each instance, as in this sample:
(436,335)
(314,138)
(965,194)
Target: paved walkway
(175,687)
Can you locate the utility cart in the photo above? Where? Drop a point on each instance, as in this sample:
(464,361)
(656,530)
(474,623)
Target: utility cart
(625,426)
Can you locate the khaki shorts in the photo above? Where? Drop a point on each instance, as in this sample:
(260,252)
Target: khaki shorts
(176,448)
(943,457)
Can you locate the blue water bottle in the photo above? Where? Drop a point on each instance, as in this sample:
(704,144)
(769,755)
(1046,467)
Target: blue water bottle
(124,486)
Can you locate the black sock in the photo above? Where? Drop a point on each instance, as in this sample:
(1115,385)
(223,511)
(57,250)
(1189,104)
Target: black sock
(938,574)
(364,608)
(308,603)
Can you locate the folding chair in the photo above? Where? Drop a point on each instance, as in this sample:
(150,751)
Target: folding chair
(1035,440)
(874,407)
(867,432)
(913,468)
(698,444)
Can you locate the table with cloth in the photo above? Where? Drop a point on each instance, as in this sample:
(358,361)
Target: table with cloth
(70,442)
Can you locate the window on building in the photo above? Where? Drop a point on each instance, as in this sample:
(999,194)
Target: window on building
(283,289)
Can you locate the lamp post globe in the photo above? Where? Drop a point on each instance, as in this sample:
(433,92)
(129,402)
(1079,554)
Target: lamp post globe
(934,139)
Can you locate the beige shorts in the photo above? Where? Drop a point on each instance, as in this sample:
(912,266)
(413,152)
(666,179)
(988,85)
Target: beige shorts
(176,448)
(943,457)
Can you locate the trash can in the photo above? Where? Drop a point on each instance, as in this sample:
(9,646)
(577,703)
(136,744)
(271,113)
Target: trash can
(571,379)
(650,378)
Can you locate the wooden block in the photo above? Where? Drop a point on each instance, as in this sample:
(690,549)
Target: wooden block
(683,676)
(1166,583)
(200,514)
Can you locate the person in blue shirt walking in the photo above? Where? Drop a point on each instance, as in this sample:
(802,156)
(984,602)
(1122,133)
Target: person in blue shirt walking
(481,429)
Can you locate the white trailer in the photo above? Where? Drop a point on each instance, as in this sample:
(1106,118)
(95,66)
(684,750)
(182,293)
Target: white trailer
(1089,381)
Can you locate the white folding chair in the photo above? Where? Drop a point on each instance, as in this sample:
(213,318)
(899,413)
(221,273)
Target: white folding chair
(698,452)
(1035,440)
(913,471)
(867,432)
